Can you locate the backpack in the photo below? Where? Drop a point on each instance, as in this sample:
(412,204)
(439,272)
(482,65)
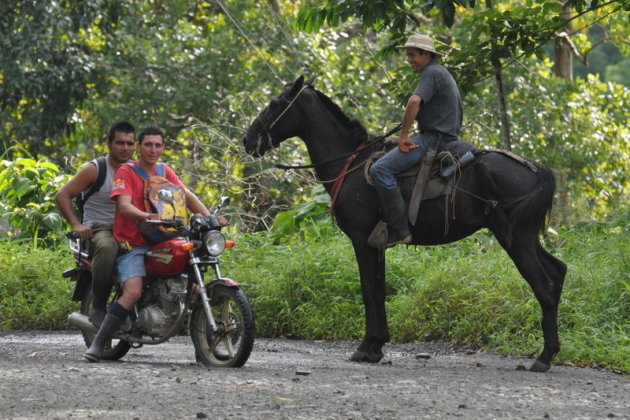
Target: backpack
(81,199)
(163,197)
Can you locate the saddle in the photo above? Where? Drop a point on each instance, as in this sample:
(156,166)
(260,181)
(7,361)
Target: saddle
(436,175)
(430,178)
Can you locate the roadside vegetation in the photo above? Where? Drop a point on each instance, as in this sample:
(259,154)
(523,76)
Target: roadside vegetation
(305,284)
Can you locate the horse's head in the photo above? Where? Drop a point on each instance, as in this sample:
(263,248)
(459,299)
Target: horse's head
(270,127)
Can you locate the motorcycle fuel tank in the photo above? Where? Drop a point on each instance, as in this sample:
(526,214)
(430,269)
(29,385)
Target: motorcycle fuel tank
(167,258)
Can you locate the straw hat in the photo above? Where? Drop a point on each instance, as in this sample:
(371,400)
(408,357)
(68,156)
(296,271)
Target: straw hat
(421,42)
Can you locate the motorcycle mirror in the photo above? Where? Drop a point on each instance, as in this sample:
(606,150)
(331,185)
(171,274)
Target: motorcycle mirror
(224,201)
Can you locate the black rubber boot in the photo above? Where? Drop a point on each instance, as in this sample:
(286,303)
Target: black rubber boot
(110,324)
(100,294)
(395,215)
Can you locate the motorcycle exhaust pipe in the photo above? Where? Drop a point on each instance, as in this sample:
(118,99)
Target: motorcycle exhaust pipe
(82,322)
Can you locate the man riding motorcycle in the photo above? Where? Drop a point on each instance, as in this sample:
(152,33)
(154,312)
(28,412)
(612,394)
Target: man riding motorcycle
(96,223)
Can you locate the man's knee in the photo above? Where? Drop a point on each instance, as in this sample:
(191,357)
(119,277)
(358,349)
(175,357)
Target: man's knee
(375,170)
(133,294)
(379,173)
(132,289)
(382,177)
(105,246)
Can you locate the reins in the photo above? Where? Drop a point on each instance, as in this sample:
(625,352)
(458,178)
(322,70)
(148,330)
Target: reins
(371,143)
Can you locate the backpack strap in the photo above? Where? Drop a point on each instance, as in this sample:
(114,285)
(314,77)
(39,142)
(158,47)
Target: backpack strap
(101,167)
(159,169)
(138,170)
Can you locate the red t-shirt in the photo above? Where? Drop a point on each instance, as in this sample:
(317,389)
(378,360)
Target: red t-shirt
(128,182)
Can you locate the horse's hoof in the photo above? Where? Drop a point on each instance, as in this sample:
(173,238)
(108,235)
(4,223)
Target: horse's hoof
(539,366)
(361,356)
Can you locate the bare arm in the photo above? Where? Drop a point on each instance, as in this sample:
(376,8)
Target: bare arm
(131,212)
(194,204)
(73,188)
(411,111)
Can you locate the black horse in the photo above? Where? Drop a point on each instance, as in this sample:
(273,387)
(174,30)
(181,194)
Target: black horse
(522,198)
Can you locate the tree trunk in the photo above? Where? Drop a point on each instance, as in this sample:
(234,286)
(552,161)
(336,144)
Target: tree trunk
(563,51)
(503,114)
(274,5)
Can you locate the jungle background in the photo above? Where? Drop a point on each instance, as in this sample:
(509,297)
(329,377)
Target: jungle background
(547,80)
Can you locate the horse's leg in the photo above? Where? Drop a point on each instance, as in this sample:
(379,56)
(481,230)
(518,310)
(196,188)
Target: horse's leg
(372,271)
(556,269)
(545,276)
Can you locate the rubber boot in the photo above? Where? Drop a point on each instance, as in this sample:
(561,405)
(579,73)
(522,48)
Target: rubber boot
(100,294)
(395,215)
(110,324)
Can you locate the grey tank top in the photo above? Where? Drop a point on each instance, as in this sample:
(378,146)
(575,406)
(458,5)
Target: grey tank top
(99,208)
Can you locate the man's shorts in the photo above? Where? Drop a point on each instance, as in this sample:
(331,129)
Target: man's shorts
(131,264)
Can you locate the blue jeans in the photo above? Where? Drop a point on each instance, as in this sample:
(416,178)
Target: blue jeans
(384,170)
(131,264)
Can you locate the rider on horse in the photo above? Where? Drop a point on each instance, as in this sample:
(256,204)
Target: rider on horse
(437,107)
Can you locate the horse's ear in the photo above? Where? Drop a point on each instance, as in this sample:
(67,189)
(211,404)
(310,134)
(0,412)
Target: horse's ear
(310,81)
(296,86)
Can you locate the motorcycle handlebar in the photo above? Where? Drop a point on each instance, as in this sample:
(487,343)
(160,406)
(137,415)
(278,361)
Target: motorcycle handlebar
(72,235)
(167,223)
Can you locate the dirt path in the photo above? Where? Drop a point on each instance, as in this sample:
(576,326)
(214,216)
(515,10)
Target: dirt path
(42,375)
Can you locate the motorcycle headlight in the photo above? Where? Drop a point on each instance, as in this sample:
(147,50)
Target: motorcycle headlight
(214,242)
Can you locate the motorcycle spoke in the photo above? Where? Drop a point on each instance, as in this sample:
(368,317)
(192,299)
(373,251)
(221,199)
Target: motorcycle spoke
(228,345)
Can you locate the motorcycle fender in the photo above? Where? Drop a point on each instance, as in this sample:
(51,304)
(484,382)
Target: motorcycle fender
(84,282)
(224,281)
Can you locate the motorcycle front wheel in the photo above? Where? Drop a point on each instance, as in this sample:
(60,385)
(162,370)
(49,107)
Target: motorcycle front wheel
(232,343)
(114,349)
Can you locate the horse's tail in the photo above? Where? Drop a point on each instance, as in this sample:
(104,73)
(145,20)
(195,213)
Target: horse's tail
(533,208)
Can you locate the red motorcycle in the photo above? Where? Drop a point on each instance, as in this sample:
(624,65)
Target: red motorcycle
(220,320)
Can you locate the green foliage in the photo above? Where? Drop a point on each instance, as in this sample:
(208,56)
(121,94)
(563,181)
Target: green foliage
(27,190)
(32,292)
(579,129)
(309,220)
(496,33)
(605,53)
(595,307)
(47,62)
(306,291)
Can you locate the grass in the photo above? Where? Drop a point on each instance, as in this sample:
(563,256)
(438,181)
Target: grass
(32,292)
(306,285)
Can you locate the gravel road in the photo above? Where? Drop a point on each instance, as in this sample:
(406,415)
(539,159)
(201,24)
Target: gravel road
(43,376)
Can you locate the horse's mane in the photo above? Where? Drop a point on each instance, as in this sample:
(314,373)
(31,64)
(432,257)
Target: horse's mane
(357,130)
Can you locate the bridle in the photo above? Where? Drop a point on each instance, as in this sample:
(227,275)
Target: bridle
(268,127)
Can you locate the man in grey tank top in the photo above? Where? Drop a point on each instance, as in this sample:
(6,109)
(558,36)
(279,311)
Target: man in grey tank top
(437,107)
(98,214)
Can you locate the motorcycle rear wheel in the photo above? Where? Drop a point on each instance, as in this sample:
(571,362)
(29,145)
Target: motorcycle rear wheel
(232,343)
(115,349)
